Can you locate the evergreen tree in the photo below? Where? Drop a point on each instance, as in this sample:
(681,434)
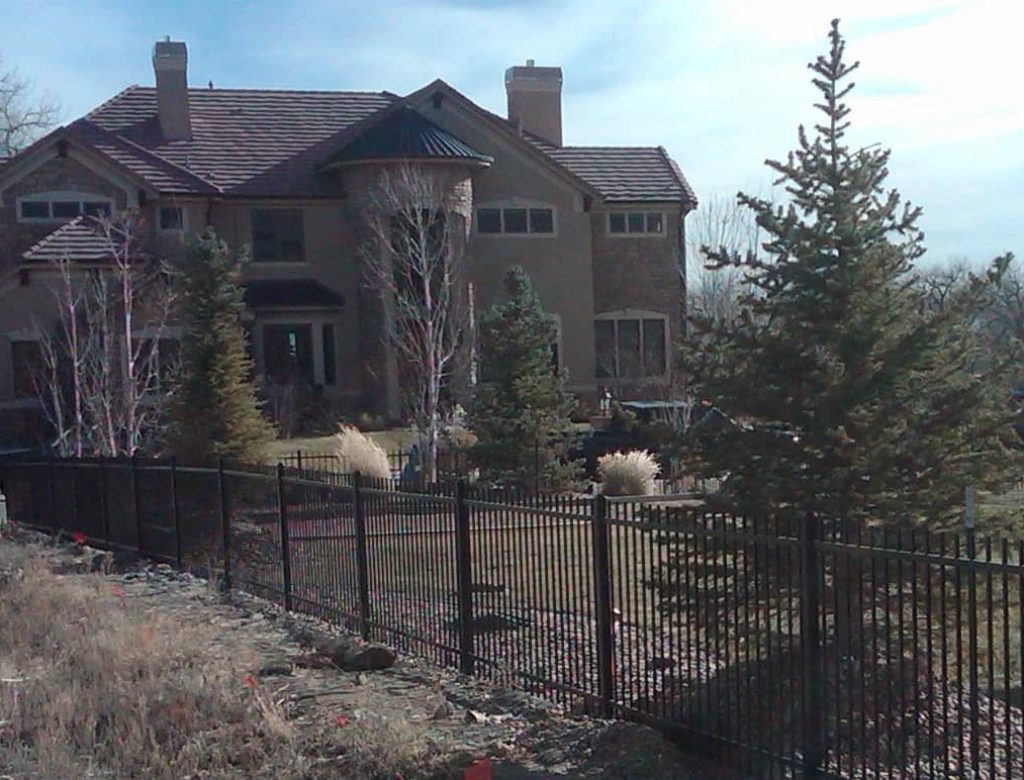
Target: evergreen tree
(520,411)
(854,399)
(215,411)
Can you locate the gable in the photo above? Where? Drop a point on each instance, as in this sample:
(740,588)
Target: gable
(514,157)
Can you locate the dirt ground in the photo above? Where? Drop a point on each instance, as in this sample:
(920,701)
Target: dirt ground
(449,719)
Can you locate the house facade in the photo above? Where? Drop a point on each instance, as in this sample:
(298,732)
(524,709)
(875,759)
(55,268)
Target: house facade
(600,230)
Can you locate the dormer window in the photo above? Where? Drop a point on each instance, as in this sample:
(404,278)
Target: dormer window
(61,206)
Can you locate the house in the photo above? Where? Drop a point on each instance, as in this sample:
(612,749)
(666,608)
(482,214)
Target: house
(599,229)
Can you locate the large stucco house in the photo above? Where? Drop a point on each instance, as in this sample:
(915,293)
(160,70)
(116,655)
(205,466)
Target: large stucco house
(599,229)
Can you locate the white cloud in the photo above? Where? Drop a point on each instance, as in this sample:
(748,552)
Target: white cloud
(722,85)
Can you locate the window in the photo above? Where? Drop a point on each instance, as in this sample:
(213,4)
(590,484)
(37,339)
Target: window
(277,236)
(517,220)
(636,223)
(171,218)
(288,353)
(630,347)
(59,206)
(27,362)
(330,364)
(167,358)
(488,221)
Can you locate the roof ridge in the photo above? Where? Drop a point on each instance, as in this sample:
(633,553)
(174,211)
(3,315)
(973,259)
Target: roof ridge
(107,102)
(274,90)
(49,238)
(678,174)
(161,158)
(597,146)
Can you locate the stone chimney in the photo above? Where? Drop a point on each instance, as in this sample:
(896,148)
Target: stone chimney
(170,64)
(535,100)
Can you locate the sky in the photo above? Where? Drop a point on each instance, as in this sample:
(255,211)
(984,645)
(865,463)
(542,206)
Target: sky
(722,85)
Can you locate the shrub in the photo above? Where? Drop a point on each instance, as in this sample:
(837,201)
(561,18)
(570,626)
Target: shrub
(360,453)
(627,473)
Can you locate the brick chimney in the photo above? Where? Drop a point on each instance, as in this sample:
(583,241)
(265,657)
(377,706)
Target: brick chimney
(535,100)
(170,64)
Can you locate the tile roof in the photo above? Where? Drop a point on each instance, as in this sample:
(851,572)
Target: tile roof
(283,293)
(626,173)
(244,142)
(76,240)
(407,135)
(267,143)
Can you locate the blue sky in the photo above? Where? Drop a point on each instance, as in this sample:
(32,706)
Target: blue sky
(721,85)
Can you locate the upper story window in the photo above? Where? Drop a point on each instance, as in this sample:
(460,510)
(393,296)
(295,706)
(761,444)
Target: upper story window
(278,236)
(61,206)
(515,220)
(171,219)
(632,223)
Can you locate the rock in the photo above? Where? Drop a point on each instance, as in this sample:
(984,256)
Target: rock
(443,710)
(348,653)
(371,656)
(472,716)
(275,667)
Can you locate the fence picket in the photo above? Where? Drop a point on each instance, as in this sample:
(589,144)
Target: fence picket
(734,631)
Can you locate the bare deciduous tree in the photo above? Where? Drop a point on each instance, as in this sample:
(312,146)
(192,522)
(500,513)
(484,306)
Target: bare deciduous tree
(415,260)
(23,115)
(100,382)
(719,224)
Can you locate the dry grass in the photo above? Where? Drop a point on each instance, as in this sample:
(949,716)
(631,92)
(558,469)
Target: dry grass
(91,685)
(361,454)
(627,473)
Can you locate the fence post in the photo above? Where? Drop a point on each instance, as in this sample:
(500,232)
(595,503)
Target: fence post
(175,511)
(286,557)
(298,459)
(464,579)
(104,501)
(225,524)
(812,710)
(972,632)
(135,503)
(74,496)
(362,558)
(603,597)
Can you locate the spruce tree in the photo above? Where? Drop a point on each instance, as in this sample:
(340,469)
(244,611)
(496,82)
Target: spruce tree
(215,411)
(853,399)
(520,411)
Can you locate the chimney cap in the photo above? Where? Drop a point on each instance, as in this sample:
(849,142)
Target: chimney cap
(530,63)
(168,53)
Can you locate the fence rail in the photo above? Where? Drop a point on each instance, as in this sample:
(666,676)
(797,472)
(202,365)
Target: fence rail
(788,645)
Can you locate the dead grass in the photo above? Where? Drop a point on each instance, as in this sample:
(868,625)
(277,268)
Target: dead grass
(92,685)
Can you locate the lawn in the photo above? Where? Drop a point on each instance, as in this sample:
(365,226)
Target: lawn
(392,440)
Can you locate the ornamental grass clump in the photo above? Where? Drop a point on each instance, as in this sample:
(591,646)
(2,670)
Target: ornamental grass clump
(627,473)
(359,453)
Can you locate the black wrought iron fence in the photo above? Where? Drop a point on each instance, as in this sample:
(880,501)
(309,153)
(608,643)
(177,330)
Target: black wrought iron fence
(785,645)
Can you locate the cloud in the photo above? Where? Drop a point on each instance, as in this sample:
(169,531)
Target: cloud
(722,85)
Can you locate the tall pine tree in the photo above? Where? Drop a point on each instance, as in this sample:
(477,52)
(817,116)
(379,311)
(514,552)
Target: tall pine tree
(215,411)
(854,400)
(520,411)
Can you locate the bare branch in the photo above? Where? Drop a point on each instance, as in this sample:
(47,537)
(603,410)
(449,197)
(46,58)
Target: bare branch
(414,260)
(23,116)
